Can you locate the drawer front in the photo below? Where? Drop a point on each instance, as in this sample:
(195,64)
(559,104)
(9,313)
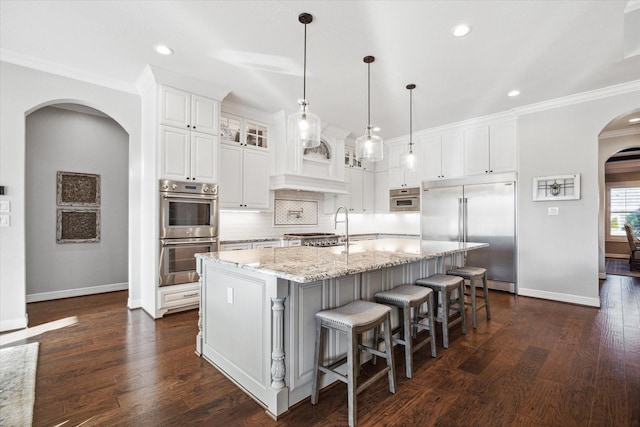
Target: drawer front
(179,299)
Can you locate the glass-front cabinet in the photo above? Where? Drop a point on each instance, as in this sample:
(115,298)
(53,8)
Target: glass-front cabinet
(244,131)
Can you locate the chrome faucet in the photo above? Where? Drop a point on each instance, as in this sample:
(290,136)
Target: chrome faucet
(346,224)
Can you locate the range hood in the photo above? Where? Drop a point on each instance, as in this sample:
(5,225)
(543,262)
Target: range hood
(308,183)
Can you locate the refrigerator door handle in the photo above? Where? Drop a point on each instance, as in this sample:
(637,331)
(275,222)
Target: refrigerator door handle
(460,220)
(465,229)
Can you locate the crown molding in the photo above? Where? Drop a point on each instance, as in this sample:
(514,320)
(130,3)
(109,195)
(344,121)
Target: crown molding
(578,98)
(27,61)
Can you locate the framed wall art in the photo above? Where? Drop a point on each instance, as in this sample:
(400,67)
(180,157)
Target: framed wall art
(556,187)
(78,189)
(78,225)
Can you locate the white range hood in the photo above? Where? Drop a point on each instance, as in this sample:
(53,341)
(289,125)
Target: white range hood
(308,183)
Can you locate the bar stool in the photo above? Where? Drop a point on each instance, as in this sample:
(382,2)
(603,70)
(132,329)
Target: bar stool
(446,285)
(473,275)
(408,297)
(354,319)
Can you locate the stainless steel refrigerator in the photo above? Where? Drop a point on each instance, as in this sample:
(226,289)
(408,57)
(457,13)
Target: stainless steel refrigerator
(477,209)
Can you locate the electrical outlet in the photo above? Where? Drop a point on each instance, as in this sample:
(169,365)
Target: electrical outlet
(4,220)
(553,211)
(5,206)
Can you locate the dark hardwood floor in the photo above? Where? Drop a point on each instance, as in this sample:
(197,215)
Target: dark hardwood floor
(535,363)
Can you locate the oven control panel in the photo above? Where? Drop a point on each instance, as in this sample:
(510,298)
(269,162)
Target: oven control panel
(168,186)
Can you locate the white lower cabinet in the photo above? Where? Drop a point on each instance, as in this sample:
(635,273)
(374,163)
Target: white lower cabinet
(236,246)
(178,297)
(244,177)
(267,244)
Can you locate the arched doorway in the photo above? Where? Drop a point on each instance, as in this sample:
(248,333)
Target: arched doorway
(86,143)
(619,166)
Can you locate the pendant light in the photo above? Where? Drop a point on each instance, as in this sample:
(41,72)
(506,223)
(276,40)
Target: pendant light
(369,147)
(303,126)
(408,160)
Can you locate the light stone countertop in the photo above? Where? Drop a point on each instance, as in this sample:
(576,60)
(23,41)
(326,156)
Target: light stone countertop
(306,264)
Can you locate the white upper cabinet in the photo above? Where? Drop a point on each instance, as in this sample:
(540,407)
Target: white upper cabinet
(503,143)
(399,177)
(244,163)
(189,111)
(442,156)
(490,149)
(244,177)
(188,155)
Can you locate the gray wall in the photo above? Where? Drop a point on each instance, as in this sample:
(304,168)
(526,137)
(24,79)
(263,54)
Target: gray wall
(60,139)
(559,255)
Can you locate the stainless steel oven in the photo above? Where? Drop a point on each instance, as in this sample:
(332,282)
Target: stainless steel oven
(188,225)
(188,210)
(404,200)
(177,259)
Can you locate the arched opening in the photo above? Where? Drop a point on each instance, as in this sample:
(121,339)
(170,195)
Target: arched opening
(619,177)
(75,247)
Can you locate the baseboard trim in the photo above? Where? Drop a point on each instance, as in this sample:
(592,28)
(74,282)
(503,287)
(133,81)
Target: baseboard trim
(69,293)
(13,324)
(557,296)
(134,303)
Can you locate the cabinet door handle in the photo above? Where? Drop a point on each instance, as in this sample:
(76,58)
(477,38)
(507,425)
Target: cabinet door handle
(190,295)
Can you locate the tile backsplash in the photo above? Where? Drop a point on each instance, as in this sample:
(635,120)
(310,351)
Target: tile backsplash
(236,225)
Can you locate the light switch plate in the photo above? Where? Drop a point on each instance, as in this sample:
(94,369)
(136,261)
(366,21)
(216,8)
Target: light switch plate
(5,206)
(230,295)
(4,220)
(553,211)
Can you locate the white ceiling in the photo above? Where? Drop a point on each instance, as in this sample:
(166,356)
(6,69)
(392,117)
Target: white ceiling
(545,49)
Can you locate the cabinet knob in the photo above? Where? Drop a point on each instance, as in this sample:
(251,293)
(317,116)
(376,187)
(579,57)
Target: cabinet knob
(188,126)
(188,178)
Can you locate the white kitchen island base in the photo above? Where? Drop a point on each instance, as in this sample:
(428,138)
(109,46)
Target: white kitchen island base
(257,307)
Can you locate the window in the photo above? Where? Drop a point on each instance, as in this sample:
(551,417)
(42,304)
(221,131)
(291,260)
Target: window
(624,208)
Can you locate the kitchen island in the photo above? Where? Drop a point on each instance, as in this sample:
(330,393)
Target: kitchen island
(257,306)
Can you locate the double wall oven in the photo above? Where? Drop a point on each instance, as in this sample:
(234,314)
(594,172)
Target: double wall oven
(188,225)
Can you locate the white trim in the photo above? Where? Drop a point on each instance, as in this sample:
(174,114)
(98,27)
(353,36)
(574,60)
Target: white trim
(134,303)
(632,5)
(579,98)
(607,208)
(556,296)
(620,132)
(13,324)
(65,71)
(68,293)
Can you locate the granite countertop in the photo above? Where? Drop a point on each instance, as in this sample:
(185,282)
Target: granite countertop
(308,264)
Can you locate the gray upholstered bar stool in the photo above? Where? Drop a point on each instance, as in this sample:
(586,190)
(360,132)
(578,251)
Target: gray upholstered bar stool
(408,297)
(445,286)
(475,275)
(354,319)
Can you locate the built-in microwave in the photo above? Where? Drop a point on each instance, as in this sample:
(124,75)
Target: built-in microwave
(404,200)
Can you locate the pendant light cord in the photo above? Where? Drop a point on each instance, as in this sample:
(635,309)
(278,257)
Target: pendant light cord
(369,95)
(411,87)
(304,72)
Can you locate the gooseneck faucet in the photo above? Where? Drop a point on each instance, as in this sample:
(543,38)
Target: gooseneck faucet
(346,224)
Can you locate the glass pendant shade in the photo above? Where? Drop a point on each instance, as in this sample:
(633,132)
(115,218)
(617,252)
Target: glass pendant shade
(303,127)
(369,147)
(408,161)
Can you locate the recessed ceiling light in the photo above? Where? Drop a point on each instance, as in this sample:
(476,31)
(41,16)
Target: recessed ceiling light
(461,30)
(634,120)
(514,93)
(164,50)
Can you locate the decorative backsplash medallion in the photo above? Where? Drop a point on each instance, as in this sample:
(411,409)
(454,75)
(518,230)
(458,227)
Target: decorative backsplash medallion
(295,212)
